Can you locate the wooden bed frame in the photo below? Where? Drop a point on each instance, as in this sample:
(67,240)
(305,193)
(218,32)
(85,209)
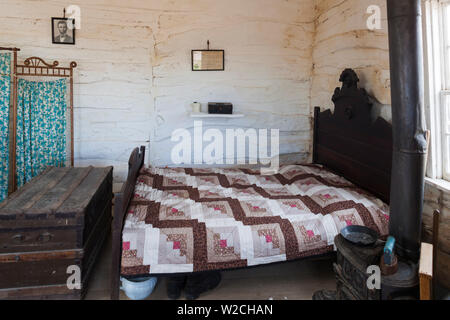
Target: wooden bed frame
(121,202)
(347,141)
(351,142)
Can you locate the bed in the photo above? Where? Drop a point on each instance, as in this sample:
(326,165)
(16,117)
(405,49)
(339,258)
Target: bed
(182,220)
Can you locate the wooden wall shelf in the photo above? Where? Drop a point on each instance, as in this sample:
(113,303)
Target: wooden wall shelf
(208,115)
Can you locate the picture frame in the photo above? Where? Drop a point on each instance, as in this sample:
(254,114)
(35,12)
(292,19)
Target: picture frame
(63,31)
(208,60)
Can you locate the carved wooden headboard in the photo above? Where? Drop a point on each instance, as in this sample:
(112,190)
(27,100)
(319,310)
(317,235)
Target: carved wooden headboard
(352,143)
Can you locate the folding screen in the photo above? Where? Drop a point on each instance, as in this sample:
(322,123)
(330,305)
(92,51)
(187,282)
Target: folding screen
(40,127)
(5,96)
(41,119)
(33,133)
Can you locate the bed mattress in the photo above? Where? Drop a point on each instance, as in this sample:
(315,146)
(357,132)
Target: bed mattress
(184,220)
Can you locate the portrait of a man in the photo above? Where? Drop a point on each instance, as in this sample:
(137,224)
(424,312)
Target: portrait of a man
(63,31)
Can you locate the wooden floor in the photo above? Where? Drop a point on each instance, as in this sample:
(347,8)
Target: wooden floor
(296,280)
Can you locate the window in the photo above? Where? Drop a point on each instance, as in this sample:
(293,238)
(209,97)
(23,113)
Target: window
(436,15)
(445,92)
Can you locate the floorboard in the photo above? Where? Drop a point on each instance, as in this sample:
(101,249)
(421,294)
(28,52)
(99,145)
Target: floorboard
(296,280)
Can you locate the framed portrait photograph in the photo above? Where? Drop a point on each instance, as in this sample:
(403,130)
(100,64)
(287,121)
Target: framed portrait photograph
(63,31)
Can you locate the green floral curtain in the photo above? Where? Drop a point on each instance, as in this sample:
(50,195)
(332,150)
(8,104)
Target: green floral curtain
(41,127)
(5,92)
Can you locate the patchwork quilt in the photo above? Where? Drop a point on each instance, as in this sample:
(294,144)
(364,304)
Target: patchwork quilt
(189,220)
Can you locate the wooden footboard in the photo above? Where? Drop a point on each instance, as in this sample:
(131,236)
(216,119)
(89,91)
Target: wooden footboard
(121,202)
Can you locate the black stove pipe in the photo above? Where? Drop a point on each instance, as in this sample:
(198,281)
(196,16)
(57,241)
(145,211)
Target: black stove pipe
(408,122)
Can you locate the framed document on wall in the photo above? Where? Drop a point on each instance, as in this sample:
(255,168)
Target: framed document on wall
(208,60)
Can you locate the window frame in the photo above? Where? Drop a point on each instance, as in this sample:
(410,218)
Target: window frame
(445,16)
(437,85)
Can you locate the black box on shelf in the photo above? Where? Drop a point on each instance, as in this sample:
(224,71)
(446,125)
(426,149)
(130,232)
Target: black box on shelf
(220,108)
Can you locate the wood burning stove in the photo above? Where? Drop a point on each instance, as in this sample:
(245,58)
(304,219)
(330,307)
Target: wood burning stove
(357,280)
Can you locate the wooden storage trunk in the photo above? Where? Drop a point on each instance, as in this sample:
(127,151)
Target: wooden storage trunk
(59,219)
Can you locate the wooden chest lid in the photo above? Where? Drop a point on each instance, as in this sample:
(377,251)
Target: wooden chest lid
(60,192)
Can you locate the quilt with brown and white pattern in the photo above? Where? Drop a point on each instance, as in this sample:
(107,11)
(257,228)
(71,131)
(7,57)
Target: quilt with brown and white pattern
(188,220)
